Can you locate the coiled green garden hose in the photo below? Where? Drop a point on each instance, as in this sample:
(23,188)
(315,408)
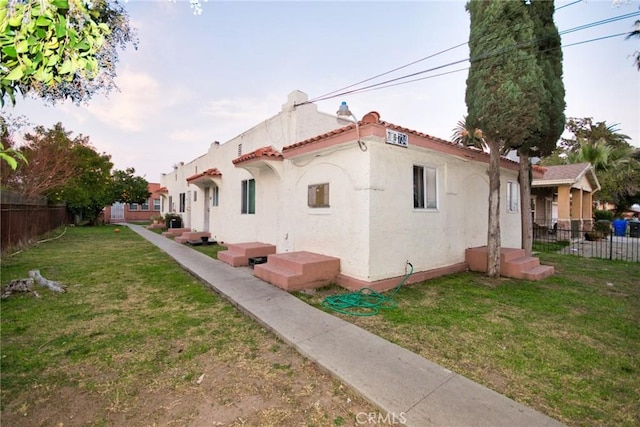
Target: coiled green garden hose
(366,301)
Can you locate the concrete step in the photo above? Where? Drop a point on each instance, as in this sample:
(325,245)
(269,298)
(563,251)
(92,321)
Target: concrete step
(299,270)
(538,273)
(174,232)
(509,254)
(238,254)
(192,236)
(515,267)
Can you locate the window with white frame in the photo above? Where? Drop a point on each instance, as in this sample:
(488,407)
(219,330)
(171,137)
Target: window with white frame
(133,206)
(156,204)
(513,196)
(318,196)
(248,196)
(145,205)
(424,188)
(215,196)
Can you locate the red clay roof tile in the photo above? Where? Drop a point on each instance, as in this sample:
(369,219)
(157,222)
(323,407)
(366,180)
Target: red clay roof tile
(208,172)
(268,152)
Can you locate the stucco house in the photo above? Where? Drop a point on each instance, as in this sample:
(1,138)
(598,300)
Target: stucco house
(562,196)
(366,198)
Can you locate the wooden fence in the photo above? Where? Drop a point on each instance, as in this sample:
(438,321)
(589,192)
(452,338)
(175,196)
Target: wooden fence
(23,219)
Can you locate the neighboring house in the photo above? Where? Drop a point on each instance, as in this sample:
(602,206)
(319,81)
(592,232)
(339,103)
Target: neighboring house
(132,212)
(302,182)
(562,196)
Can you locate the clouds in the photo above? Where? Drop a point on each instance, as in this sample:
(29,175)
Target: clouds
(137,103)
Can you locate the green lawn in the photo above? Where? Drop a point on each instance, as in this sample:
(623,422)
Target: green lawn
(568,346)
(138,341)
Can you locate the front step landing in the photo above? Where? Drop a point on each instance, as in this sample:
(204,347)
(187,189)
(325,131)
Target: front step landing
(294,271)
(513,263)
(238,254)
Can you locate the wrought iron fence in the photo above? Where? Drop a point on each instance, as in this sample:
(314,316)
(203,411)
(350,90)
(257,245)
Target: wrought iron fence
(615,241)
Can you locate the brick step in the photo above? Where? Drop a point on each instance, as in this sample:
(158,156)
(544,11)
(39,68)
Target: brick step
(538,273)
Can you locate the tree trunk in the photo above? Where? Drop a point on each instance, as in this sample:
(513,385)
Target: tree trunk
(525,203)
(493,233)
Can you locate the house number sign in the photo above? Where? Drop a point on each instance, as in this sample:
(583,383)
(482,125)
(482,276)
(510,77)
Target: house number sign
(397,138)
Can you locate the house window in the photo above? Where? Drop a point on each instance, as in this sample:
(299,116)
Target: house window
(172,208)
(424,188)
(183,200)
(145,206)
(133,206)
(513,201)
(156,204)
(318,196)
(195,196)
(248,196)
(215,196)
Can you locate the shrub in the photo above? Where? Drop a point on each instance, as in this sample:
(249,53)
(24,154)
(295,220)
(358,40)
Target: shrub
(594,235)
(600,215)
(603,226)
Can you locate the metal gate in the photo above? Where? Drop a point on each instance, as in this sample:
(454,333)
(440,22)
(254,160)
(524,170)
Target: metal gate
(117,212)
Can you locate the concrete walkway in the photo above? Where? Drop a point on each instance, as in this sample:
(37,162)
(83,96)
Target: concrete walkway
(402,384)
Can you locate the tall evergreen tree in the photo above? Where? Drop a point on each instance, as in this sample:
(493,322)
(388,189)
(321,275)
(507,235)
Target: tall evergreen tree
(504,81)
(544,132)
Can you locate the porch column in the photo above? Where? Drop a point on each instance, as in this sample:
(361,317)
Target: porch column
(564,218)
(587,211)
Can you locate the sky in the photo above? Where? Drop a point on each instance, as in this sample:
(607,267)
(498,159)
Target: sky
(195,79)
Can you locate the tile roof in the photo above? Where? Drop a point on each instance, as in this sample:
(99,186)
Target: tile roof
(567,175)
(373,117)
(213,172)
(565,172)
(162,190)
(268,152)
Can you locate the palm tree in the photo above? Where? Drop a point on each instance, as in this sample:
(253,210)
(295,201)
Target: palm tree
(599,154)
(464,135)
(635,33)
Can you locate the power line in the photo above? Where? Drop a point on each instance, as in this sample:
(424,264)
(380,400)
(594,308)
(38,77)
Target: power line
(567,5)
(394,70)
(320,97)
(466,68)
(386,83)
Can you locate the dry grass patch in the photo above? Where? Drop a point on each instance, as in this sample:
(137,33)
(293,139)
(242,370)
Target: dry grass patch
(138,341)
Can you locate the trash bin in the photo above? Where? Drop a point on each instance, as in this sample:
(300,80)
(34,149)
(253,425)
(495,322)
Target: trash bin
(619,227)
(175,223)
(634,229)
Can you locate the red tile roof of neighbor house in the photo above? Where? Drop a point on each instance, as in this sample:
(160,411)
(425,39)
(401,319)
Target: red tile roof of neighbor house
(268,152)
(373,117)
(163,190)
(208,172)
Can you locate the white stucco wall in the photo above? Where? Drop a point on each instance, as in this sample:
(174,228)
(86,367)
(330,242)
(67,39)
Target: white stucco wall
(370,225)
(226,223)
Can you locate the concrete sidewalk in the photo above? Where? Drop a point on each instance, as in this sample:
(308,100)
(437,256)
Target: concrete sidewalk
(406,387)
